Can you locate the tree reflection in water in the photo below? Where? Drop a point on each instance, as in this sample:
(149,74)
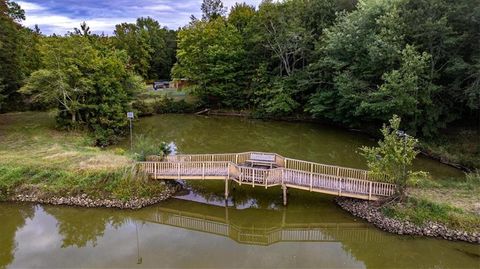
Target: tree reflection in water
(12,219)
(80,226)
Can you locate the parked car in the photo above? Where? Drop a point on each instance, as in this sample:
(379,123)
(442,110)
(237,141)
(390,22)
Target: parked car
(162,84)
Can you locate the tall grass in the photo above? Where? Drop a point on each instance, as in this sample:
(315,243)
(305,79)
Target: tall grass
(147,146)
(124,184)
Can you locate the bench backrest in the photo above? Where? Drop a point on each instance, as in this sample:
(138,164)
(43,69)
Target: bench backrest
(262,157)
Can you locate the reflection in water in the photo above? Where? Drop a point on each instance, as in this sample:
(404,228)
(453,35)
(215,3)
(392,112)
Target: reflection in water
(12,219)
(310,232)
(80,226)
(278,228)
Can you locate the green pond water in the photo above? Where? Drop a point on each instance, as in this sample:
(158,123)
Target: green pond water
(252,229)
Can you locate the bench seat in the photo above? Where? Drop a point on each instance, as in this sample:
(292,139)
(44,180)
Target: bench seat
(262,159)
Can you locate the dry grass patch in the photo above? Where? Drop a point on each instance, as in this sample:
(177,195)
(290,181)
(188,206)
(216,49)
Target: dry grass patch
(459,198)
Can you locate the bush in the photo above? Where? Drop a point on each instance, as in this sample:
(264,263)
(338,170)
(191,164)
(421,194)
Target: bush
(105,137)
(143,108)
(147,147)
(168,105)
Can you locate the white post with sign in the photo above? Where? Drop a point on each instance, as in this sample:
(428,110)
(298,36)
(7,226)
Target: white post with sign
(130,117)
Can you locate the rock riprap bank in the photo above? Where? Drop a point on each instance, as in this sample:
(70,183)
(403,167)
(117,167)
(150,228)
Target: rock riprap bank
(83,200)
(371,213)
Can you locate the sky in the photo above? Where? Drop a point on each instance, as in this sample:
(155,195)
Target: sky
(61,16)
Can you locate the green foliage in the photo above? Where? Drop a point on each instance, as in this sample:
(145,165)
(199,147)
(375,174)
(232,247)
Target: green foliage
(151,48)
(212,9)
(473,177)
(146,146)
(393,156)
(89,86)
(143,108)
(162,105)
(406,91)
(168,105)
(276,100)
(399,57)
(211,55)
(460,147)
(10,51)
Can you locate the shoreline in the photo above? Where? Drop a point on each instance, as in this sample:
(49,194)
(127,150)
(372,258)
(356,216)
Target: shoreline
(84,200)
(367,211)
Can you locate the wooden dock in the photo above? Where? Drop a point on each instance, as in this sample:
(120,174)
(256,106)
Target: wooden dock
(260,169)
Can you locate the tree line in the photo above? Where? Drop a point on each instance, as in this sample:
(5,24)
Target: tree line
(355,64)
(90,79)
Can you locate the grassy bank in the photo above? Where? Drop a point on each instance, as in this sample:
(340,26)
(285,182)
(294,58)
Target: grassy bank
(454,203)
(460,146)
(36,158)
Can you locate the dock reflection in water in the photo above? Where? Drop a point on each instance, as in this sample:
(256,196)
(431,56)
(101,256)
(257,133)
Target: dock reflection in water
(280,229)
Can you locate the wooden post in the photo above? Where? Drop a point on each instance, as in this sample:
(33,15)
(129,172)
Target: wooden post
(311,177)
(370,191)
(226,189)
(284,188)
(228,171)
(178,168)
(236,158)
(340,187)
(338,171)
(155,170)
(203,171)
(253,178)
(266,177)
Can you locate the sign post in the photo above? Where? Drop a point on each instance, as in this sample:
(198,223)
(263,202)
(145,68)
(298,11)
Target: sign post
(130,117)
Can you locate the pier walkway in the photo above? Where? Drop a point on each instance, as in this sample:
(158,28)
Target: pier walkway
(260,169)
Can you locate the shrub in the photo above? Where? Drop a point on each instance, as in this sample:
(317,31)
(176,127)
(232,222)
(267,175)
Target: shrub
(143,108)
(147,147)
(168,105)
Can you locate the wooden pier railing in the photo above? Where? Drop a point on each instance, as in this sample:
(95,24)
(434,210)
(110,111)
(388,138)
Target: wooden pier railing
(289,173)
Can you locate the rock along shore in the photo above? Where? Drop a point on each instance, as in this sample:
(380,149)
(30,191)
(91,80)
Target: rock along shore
(84,201)
(368,211)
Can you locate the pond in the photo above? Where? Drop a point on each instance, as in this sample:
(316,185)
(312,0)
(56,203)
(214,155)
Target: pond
(298,140)
(199,229)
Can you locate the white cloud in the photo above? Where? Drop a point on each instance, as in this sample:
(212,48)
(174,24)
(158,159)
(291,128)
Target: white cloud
(159,7)
(30,6)
(62,16)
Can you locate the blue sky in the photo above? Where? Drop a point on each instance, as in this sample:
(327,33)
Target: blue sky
(60,16)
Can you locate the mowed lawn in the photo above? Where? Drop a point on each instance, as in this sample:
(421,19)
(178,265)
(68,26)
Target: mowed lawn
(36,158)
(30,139)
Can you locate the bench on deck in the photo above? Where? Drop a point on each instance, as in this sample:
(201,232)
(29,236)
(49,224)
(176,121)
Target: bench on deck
(261,159)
